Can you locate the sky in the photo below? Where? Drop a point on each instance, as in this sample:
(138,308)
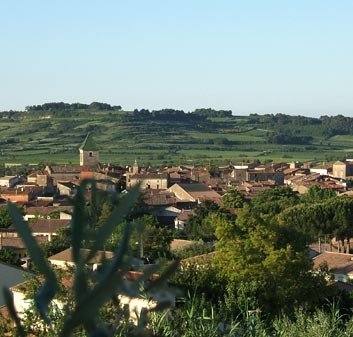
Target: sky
(255,56)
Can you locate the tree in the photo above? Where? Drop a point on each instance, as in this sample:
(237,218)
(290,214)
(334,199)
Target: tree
(331,217)
(150,240)
(200,226)
(105,212)
(194,249)
(233,199)
(5,217)
(255,250)
(273,201)
(317,194)
(59,242)
(8,256)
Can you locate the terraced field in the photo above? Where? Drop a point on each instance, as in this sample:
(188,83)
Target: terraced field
(123,137)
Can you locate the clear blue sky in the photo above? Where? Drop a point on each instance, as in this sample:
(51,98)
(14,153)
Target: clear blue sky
(261,56)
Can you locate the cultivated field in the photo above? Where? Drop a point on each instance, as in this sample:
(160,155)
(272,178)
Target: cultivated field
(31,138)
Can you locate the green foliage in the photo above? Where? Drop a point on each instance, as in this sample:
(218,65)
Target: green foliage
(287,138)
(261,270)
(151,240)
(89,294)
(256,250)
(5,217)
(194,249)
(233,198)
(8,256)
(316,194)
(202,278)
(332,216)
(58,243)
(201,225)
(54,215)
(151,135)
(322,323)
(275,200)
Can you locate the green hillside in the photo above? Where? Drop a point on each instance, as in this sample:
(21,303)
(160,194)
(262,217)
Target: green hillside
(52,133)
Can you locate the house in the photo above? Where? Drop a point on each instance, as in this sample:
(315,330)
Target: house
(260,175)
(175,174)
(182,218)
(323,169)
(21,195)
(9,181)
(165,215)
(225,171)
(48,227)
(128,294)
(339,169)
(106,185)
(302,184)
(11,276)
(148,180)
(65,258)
(200,175)
(339,265)
(251,189)
(239,172)
(43,209)
(67,188)
(342,169)
(40,178)
(73,173)
(22,303)
(156,198)
(195,192)
(16,243)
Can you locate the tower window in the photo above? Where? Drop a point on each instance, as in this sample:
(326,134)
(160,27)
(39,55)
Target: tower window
(91,154)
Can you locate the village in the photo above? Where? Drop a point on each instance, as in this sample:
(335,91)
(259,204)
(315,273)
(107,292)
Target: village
(170,194)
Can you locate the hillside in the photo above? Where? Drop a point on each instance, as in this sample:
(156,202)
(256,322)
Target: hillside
(53,132)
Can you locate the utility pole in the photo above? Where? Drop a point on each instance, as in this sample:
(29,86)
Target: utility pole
(141,245)
(49,237)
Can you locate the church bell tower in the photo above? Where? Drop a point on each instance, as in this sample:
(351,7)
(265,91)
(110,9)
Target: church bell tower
(89,153)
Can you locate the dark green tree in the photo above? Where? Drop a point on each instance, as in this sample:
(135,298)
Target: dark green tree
(150,240)
(5,217)
(200,225)
(233,198)
(273,201)
(7,255)
(59,242)
(317,194)
(255,250)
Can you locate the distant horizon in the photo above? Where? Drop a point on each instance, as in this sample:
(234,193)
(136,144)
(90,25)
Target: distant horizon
(265,57)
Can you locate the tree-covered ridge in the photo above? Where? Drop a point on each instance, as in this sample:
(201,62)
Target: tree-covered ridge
(72,106)
(284,129)
(169,136)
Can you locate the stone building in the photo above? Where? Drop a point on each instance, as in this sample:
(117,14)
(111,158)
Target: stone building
(89,153)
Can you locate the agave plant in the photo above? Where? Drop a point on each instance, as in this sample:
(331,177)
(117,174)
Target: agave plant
(90,294)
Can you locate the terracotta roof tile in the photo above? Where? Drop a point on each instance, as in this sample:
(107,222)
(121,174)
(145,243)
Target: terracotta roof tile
(49,225)
(66,255)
